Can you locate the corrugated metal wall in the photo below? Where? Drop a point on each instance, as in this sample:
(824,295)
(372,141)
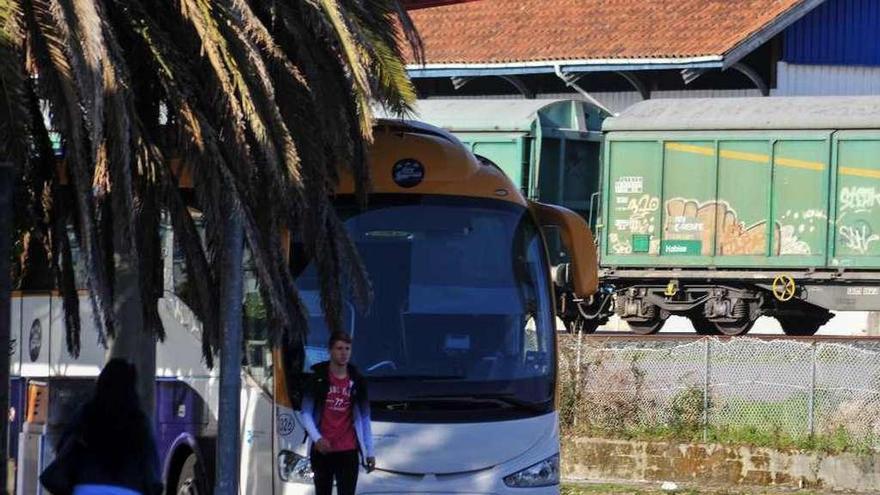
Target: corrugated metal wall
(838,32)
(826,80)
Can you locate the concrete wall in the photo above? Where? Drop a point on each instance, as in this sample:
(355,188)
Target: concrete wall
(705,464)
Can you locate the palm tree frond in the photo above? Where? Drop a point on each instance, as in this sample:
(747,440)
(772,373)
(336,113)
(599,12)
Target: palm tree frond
(13,111)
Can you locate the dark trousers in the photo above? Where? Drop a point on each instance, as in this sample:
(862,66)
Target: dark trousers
(343,466)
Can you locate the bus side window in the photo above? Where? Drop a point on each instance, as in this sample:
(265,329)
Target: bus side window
(257,355)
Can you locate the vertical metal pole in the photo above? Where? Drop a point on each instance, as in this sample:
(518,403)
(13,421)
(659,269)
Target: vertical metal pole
(231,287)
(812,401)
(706,389)
(560,191)
(6,222)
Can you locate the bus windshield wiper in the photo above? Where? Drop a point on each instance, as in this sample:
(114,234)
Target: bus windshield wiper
(507,399)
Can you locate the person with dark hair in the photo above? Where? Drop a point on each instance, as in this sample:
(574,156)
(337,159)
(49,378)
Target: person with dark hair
(336,416)
(109,449)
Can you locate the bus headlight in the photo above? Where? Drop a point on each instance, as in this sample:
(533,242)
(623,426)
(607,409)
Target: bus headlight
(294,468)
(544,473)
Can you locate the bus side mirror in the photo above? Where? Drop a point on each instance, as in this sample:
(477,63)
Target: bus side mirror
(578,241)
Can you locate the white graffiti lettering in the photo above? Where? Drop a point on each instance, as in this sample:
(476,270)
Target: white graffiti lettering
(641,213)
(858,238)
(858,198)
(686,224)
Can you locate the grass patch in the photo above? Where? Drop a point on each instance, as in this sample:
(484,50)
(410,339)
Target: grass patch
(781,424)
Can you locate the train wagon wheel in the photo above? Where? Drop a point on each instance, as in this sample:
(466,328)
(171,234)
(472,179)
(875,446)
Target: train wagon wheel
(800,327)
(645,327)
(734,328)
(703,326)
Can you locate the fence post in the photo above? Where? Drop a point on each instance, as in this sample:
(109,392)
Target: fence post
(577,373)
(706,391)
(811,415)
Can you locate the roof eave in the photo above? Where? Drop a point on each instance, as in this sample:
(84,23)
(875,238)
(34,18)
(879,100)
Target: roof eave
(766,33)
(567,66)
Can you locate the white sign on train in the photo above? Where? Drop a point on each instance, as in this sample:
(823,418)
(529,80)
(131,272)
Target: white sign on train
(863,291)
(629,185)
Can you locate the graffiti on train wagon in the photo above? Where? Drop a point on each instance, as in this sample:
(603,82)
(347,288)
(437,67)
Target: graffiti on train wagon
(635,216)
(718,229)
(858,199)
(690,219)
(641,214)
(856,207)
(858,237)
(794,226)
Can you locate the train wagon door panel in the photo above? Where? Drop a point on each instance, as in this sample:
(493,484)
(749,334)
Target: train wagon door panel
(580,175)
(688,212)
(801,175)
(507,150)
(856,219)
(632,205)
(742,234)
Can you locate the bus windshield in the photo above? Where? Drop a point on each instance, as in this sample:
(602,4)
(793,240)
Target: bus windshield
(461,316)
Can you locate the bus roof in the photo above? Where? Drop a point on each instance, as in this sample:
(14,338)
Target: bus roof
(753,113)
(415,158)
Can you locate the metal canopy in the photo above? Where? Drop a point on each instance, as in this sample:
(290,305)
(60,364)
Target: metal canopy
(795,113)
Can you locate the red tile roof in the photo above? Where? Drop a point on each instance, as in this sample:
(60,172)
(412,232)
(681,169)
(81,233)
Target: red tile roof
(422,4)
(495,31)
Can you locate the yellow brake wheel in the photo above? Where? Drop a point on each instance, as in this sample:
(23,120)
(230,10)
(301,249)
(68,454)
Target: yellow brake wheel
(783,288)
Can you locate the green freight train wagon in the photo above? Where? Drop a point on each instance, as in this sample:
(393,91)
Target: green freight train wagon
(549,148)
(724,210)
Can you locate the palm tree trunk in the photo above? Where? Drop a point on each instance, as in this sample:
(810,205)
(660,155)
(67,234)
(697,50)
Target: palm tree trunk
(6,222)
(228,438)
(132,341)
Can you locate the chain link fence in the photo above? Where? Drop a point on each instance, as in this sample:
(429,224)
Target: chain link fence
(779,393)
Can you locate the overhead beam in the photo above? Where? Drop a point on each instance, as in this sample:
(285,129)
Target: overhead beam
(458,82)
(753,76)
(520,85)
(636,83)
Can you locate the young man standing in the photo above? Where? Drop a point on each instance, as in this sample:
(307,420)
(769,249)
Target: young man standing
(336,416)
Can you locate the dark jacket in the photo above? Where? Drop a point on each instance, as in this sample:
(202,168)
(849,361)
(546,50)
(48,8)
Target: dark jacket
(77,463)
(315,395)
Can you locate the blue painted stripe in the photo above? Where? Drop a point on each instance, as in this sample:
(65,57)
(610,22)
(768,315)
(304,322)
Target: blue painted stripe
(838,32)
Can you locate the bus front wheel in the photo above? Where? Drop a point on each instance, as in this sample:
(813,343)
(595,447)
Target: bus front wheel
(191,481)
